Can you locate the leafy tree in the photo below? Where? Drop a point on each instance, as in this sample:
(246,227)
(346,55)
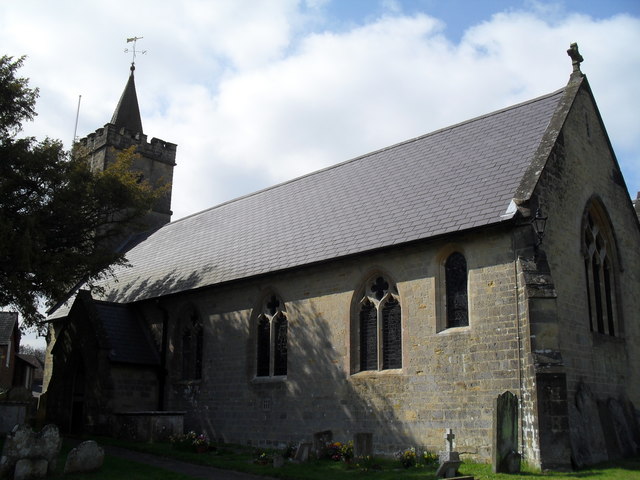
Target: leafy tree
(39,353)
(58,220)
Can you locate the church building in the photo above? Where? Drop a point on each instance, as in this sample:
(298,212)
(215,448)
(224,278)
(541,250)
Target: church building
(396,294)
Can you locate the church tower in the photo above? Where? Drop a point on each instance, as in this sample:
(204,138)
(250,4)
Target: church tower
(156,158)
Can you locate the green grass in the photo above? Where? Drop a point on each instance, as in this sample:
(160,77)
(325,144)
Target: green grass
(240,458)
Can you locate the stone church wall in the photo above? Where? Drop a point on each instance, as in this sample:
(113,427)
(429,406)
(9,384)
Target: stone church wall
(449,378)
(135,388)
(581,168)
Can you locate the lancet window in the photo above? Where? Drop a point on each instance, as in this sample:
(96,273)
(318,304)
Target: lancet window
(191,342)
(600,268)
(380,327)
(272,333)
(457,304)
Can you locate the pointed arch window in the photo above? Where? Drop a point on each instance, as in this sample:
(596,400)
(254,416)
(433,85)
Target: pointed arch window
(457,304)
(380,327)
(600,268)
(272,339)
(191,345)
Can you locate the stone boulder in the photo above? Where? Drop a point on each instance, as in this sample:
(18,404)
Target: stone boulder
(86,457)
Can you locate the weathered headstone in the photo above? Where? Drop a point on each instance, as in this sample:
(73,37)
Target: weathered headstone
(302,453)
(321,440)
(624,435)
(505,458)
(362,445)
(86,457)
(609,431)
(23,443)
(30,469)
(587,438)
(449,460)
(278,461)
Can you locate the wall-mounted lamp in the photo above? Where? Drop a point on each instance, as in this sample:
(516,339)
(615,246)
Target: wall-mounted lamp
(539,223)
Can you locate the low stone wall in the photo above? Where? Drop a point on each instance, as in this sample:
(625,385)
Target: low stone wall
(147,426)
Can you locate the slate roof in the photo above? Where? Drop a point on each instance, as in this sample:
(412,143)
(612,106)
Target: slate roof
(8,321)
(125,335)
(454,179)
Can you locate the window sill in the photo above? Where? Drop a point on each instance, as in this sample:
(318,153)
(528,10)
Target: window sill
(273,379)
(455,330)
(377,373)
(605,339)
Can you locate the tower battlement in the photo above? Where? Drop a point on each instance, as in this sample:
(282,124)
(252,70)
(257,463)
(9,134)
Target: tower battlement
(121,139)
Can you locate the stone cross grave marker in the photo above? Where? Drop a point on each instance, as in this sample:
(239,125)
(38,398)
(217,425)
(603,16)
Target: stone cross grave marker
(449,460)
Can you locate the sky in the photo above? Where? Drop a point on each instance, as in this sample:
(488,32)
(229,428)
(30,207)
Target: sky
(257,92)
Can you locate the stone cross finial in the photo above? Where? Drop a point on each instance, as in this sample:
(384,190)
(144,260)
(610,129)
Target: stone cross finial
(449,436)
(575,57)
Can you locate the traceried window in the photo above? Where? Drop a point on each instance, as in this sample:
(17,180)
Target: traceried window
(457,306)
(272,341)
(600,263)
(380,327)
(191,342)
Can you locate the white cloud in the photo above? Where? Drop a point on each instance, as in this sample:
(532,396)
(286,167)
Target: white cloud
(255,93)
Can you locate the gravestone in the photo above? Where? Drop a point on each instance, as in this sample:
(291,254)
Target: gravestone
(302,453)
(587,438)
(320,442)
(86,457)
(24,443)
(449,460)
(278,461)
(362,445)
(622,427)
(609,431)
(505,458)
(30,468)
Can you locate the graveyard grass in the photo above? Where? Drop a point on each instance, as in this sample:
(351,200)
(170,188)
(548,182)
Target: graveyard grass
(241,458)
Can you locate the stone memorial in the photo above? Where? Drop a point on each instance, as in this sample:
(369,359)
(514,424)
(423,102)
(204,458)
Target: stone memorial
(86,457)
(362,445)
(302,452)
(30,468)
(24,443)
(505,456)
(320,441)
(449,459)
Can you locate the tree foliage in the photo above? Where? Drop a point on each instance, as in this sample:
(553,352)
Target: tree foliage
(59,222)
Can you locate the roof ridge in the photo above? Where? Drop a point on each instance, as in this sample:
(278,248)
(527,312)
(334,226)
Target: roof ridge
(369,154)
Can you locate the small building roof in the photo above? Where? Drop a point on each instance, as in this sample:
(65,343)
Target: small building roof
(8,321)
(128,341)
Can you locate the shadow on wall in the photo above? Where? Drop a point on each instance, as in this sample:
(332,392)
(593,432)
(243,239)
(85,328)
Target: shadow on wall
(233,405)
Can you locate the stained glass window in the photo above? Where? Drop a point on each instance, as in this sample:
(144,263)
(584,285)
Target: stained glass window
(380,327)
(600,288)
(272,339)
(456,290)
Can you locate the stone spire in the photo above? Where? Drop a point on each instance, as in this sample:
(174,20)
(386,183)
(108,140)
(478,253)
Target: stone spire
(127,113)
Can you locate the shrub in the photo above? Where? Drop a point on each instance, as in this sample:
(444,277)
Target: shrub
(408,458)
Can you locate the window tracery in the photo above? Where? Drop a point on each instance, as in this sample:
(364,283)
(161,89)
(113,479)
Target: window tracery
(380,327)
(272,339)
(599,262)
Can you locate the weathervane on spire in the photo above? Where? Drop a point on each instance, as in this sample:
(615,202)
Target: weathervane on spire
(133,50)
